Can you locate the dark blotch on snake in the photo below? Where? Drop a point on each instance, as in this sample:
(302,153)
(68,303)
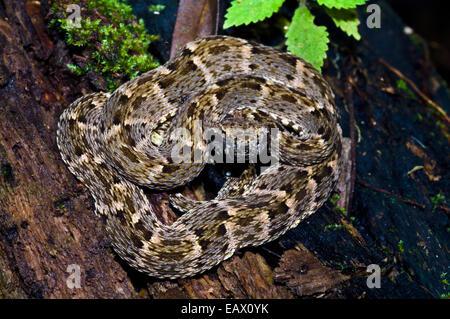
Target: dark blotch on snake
(71,124)
(224,248)
(300,195)
(186,52)
(116,119)
(120,214)
(257,49)
(126,151)
(204,243)
(222,215)
(137,242)
(173,66)
(323,173)
(287,188)
(301,174)
(123,99)
(215,50)
(289,59)
(224,81)
(82,119)
(321,130)
(169,169)
(199,232)
(220,93)
(338,147)
(191,66)
(138,101)
(327,135)
(250,85)
(144,79)
(289,77)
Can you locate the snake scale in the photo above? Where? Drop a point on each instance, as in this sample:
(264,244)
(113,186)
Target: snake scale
(118,143)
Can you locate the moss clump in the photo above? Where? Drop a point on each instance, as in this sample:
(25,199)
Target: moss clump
(444,279)
(110,38)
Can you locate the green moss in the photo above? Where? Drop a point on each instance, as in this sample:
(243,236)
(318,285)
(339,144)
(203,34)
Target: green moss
(334,199)
(437,200)
(114,42)
(60,204)
(444,279)
(76,69)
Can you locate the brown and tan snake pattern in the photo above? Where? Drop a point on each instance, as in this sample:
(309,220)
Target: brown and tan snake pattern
(118,143)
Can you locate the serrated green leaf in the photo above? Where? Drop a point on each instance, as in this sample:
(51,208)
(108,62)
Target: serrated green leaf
(248,11)
(347,20)
(341,4)
(307,40)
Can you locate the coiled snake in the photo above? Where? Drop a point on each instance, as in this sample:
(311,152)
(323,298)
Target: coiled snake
(118,143)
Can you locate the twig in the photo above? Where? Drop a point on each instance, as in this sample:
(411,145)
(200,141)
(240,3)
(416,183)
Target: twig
(439,109)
